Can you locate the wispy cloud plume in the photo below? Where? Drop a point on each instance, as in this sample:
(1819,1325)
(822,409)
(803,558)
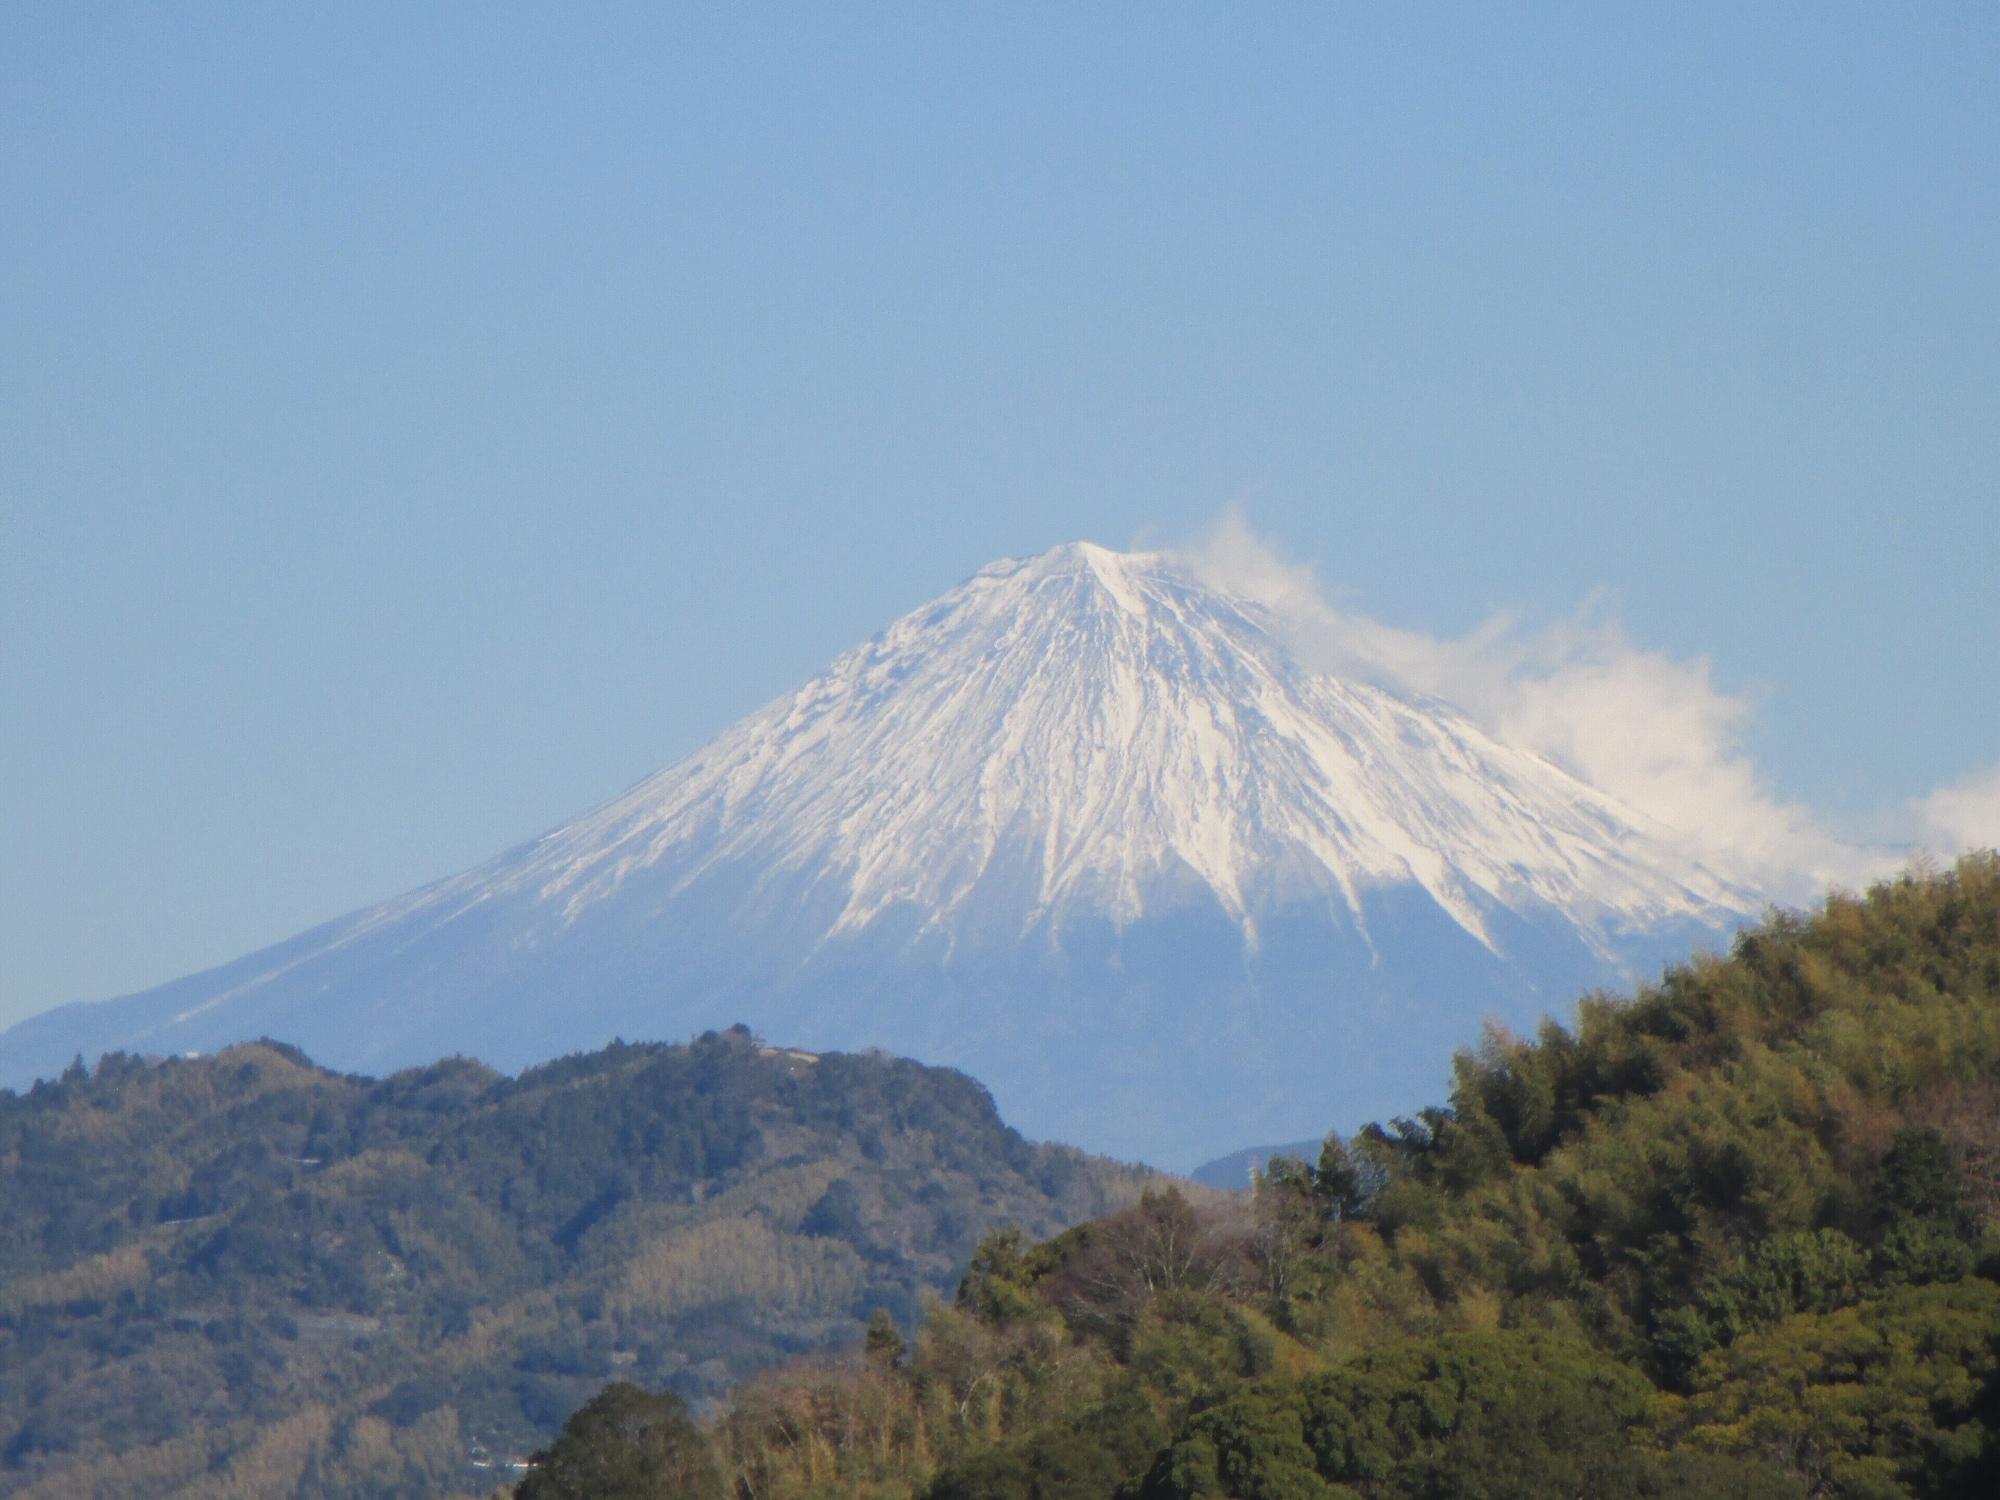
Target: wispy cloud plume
(1652,730)
(1964,815)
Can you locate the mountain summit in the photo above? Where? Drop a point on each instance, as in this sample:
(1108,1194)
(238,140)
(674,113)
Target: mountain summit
(1084,827)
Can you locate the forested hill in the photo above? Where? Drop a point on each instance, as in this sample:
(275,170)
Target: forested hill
(243,1275)
(1738,1235)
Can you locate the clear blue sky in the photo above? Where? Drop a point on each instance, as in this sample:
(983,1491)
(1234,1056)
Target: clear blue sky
(417,423)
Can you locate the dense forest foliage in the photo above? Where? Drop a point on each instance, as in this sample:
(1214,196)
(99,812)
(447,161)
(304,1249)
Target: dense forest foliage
(1732,1236)
(243,1275)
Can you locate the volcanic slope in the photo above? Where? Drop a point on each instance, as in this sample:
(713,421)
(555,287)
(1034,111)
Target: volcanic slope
(1084,827)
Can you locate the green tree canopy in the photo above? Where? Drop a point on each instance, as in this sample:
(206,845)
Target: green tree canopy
(626,1444)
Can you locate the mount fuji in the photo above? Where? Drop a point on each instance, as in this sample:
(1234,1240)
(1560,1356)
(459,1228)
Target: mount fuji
(1085,827)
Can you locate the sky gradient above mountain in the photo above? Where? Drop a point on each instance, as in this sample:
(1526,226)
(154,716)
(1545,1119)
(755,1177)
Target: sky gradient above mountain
(421,426)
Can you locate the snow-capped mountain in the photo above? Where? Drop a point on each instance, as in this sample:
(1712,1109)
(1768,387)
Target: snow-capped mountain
(1084,827)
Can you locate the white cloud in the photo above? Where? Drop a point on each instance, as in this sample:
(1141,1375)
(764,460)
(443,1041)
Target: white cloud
(1962,816)
(1652,730)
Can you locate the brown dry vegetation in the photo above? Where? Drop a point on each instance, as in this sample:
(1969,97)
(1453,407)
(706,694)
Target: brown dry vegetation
(243,1275)
(1736,1235)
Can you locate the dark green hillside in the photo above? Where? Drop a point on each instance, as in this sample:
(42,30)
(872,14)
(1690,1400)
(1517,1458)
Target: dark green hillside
(1738,1235)
(243,1275)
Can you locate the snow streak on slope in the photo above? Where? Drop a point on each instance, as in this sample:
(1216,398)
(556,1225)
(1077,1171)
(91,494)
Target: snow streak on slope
(1109,733)
(1083,827)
